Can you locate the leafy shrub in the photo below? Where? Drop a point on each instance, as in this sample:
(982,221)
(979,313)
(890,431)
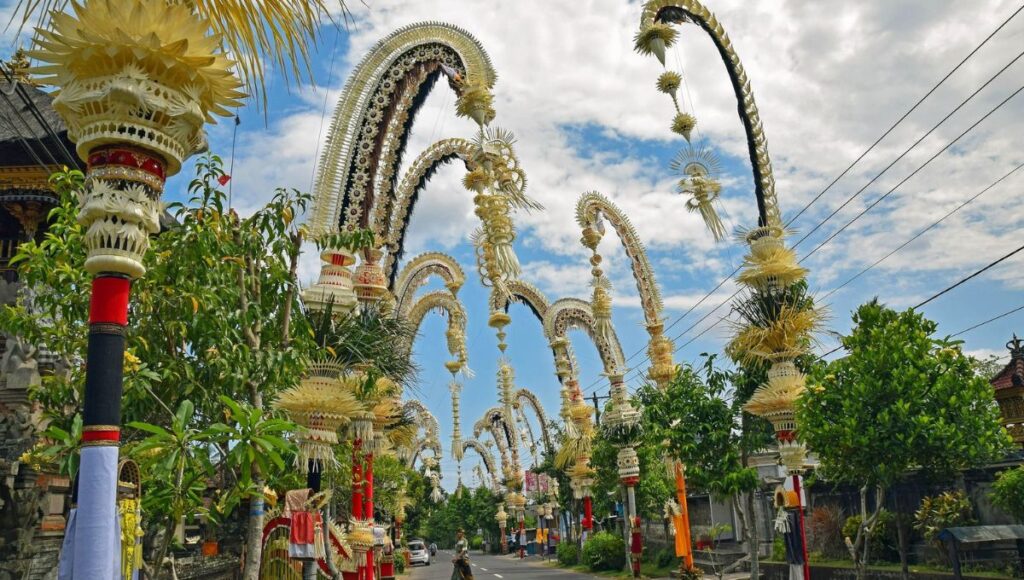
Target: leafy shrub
(665,558)
(476,543)
(399,561)
(883,536)
(568,554)
(946,510)
(604,551)
(778,549)
(825,532)
(1008,492)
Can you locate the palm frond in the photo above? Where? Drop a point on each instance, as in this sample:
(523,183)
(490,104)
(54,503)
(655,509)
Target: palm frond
(260,35)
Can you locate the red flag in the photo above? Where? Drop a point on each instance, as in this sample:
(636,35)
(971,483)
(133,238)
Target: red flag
(224,179)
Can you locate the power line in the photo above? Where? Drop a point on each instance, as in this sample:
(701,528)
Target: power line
(961,105)
(972,276)
(977,273)
(933,297)
(993,319)
(873,204)
(909,149)
(636,371)
(19,89)
(905,115)
(922,232)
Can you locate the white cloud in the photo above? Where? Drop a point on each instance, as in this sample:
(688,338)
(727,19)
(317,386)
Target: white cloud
(829,77)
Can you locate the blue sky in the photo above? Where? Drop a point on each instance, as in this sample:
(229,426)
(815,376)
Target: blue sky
(829,78)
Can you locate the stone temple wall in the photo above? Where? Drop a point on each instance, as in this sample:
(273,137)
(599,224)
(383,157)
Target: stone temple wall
(33,505)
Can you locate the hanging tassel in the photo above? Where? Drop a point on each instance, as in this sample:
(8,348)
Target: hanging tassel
(601,305)
(703,191)
(505,257)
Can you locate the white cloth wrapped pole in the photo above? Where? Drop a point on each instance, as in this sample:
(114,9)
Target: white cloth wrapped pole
(97,544)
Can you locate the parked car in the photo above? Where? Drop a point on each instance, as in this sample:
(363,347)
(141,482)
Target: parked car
(418,553)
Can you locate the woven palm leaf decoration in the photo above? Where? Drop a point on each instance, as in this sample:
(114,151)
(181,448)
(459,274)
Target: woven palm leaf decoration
(699,168)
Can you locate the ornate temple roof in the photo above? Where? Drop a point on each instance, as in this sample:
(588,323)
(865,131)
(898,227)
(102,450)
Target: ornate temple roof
(1012,374)
(17,120)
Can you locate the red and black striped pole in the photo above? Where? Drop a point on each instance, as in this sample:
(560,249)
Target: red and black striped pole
(120,212)
(101,431)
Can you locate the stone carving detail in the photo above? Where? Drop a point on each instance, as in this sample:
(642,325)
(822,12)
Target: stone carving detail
(20,365)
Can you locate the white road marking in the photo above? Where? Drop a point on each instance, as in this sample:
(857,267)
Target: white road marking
(499,575)
(484,569)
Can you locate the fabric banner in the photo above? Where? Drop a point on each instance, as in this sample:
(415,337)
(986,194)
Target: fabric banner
(97,543)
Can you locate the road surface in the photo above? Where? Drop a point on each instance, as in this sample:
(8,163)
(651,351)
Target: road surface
(494,568)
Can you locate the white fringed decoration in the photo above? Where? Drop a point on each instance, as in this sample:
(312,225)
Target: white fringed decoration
(361,427)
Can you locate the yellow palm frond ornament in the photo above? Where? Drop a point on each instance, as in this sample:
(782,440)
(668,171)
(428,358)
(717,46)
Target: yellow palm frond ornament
(320,405)
(135,85)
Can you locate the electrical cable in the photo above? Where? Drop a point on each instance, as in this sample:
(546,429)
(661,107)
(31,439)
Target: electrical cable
(922,232)
(21,117)
(17,88)
(914,146)
(972,276)
(977,273)
(900,120)
(990,320)
(905,115)
(635,371)
(323,112)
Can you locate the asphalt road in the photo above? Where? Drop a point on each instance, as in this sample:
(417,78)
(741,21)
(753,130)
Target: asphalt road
(493,567)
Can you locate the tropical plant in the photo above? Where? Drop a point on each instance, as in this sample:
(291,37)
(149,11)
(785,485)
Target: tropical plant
(881,535)
(691,419)
(63,446)
(693,422)
(604,551)
(1008,492)
(254,442)
(825,531)
(900,400)
(213,316)
(946,510)
(568,554)
(176,462)
(366,339)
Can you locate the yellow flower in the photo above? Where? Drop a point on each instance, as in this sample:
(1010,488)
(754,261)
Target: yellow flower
(131,362)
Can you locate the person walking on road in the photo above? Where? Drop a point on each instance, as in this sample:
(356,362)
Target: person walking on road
(462,569)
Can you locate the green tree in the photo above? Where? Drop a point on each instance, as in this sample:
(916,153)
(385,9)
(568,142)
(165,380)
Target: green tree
(1008,492)
(177,459)
(900,400)
(214,315)
(692,420)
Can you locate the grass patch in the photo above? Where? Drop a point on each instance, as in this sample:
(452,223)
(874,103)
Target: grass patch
(894,567)
(647,570)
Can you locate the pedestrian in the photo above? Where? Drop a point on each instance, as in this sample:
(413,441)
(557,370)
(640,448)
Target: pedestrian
(462,569)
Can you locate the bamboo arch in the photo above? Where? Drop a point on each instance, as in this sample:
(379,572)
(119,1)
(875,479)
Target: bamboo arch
(525,398)
(425,444)
(675,11)
(418,270)
(572,313)
(444,302)
(591,208)
(485,457)
(493,422)
(371,123)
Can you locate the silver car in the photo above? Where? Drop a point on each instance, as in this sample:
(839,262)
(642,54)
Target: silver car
(418,553)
